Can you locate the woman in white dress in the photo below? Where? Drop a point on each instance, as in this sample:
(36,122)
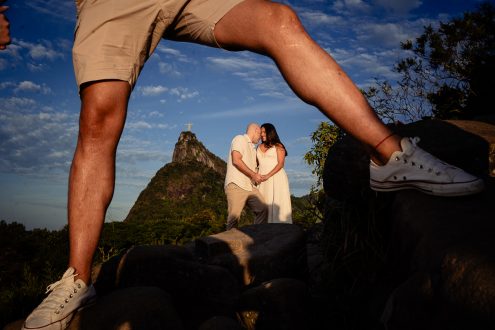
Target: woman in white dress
(271,155)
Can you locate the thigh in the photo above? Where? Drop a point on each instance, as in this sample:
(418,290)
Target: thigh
(196,22)
(256,202)
(114,38)
(248,26)
(236,199)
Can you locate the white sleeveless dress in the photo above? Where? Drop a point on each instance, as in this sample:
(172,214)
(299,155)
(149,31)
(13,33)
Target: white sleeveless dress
(275,190)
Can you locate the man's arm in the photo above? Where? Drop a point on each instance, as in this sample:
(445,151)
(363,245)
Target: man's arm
(4,27)
(241,166)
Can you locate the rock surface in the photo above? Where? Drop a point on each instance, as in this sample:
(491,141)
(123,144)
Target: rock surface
(257,253)
(188,147)
(441,251)
(170,287)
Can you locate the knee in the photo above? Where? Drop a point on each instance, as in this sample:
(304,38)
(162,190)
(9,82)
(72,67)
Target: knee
(97,125)
(283,22)
(101,121)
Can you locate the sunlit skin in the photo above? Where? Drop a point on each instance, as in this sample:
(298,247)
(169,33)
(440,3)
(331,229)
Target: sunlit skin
(260,26)
(264,27)
(4,27)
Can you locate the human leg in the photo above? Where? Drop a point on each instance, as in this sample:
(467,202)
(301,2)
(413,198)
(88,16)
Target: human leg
(256,203)
(92,175)
(91,184)
(274,30)
(236,200)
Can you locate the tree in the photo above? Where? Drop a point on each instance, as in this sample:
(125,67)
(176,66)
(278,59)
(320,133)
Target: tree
(323,138)
(449,73)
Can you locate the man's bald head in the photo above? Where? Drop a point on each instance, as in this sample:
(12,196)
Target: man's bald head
(253,130)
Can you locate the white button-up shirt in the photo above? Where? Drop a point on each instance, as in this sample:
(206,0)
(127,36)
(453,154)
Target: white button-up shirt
(247,149)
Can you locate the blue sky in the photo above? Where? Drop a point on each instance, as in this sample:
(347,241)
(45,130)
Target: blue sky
(217,91)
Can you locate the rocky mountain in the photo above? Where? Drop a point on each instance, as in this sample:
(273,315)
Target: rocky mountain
(192,183)
(189,148)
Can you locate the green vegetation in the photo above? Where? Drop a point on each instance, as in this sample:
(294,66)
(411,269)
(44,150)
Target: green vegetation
(179,190)
(448,74)
(29,261)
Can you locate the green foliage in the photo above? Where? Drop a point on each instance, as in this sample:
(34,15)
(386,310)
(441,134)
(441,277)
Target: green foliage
(307,210)
(448,74)
(179,190)
(323,138)
(29,261)
(118,236)
(354,245)
(311,211)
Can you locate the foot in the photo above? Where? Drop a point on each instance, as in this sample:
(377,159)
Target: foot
(414,168)
(65,298)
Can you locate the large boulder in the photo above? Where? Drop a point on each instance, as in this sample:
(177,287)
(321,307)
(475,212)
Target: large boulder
(145,308)
(257,253)
(440,251)
(277,304)
(199,291)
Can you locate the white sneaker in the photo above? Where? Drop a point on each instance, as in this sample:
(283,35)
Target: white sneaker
(414,168)
(65,298)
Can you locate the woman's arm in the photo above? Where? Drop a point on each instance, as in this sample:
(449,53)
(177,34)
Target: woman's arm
(280,162)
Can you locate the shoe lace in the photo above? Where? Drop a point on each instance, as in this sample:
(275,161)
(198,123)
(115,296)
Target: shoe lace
(60,293)
(422,159)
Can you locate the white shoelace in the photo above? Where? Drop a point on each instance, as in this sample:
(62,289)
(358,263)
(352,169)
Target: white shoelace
(426,160)
(61,293)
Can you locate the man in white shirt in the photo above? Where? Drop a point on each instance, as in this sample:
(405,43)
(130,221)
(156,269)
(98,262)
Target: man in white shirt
(242,177)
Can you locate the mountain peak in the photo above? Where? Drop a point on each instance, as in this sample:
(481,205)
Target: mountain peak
(189,148)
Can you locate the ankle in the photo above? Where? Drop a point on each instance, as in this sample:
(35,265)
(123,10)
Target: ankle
(384,150)
(83,276)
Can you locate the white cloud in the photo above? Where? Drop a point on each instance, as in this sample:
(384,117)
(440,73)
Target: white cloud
(168,69)
(36,67)
(35,142)
(42,50)
(183,93)
(261,75)
(156,114)
(363,62)
(134,155)
(240,64)
(55,8)
(173,53)
(348,6)
(399,6)
(13,49)
(153,90)
(29,86)
(319,18)
(388,34)
(300,181)
(7,84)
(139,125)
(19,104)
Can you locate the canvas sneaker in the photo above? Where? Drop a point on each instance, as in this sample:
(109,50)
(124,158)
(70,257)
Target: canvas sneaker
(65,298)
(414,168)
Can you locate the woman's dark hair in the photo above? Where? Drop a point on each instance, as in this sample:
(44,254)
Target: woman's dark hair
(272,138)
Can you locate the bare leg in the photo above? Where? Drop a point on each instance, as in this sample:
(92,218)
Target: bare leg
(273,29)
(92,175)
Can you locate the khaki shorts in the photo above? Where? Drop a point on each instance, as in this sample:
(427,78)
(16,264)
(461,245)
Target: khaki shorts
(114,38)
